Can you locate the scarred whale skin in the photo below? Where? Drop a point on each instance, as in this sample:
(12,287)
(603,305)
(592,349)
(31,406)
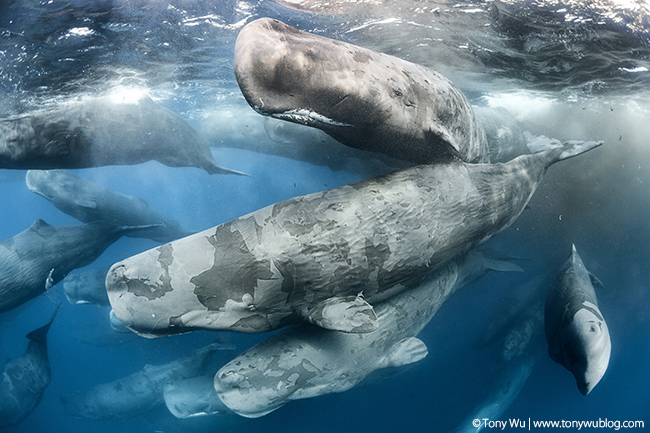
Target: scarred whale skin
(576,332)
(134,394)
(87,201)
(103,130)
(304,361)
(25,378)
(38,258)
(362,98)
(323,256)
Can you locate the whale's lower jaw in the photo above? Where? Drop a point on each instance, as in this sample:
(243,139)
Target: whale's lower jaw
(309,118)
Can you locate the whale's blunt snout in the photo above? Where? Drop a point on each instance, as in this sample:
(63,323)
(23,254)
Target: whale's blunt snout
(30,180)
(588,380)
(40,182)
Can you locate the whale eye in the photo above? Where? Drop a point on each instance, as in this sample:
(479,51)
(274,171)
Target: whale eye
(595,326)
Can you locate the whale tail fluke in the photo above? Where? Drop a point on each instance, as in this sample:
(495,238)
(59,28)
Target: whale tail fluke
(574,147)
(540,143)
(478,263)
(217,169)
(568,149)
(40,335)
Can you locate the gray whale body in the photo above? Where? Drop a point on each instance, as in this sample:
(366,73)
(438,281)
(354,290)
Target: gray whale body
(576,332)
(38,258)
(304,361)
(361,98)
(100,131)
(324,257)
(87,201)
(25,378)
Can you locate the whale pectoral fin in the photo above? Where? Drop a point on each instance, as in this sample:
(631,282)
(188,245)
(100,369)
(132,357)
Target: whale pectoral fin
(347,313)
(502,266)
(596,282)
(406,351)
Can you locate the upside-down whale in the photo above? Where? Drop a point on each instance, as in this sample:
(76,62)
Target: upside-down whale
(576,332)
(362,98)
(324,257)
(304,361)
(87,201)
(105,130)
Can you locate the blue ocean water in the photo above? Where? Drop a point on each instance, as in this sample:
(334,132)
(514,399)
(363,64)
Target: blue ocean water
(570,70)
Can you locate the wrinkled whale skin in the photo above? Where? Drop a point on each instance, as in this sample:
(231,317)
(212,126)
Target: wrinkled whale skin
(39,257)
(362,98)
(87,201)
(324,256)
(304,361)
(100,131)
(138,392)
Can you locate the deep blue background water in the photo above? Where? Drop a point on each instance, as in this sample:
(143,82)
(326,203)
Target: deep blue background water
(567,70)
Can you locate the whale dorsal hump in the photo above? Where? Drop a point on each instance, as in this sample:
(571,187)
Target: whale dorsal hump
(406,351)
(344,313)
(38,224)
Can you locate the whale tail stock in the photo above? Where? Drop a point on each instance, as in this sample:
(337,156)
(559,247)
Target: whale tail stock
(558,150)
